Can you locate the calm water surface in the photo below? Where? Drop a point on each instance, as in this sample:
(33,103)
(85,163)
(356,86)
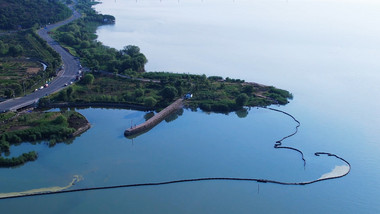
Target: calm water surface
(325,52)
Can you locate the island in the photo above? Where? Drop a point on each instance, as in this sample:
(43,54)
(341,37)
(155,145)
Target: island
(36,126)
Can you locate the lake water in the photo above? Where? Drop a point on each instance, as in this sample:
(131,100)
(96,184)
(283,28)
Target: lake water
(325,52)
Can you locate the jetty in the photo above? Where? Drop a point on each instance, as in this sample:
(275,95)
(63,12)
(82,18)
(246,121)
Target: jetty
(156,119)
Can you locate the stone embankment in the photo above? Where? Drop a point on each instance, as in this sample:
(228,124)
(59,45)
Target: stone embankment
(82,129)
(156,119)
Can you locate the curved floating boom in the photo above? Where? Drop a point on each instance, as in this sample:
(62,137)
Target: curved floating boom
(259,180)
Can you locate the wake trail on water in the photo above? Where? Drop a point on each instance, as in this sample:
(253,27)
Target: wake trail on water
(44,190)
(337,172)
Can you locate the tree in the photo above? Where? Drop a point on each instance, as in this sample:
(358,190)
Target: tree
(8,92)
(62,96)
(248,89)
(3,48)
(60,120)
(85,44)
(17,88)
(139,92)
(43,102)
(241,100)
(69,39)
(150,102)
(169,92)
(130,50)
(88,79)
(16,50)
(69,92)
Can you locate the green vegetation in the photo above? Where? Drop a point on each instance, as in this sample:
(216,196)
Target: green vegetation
(118,76)
(79,38)
(7,116)
(209,94)
(22,49)
(17,161)
(20,70)
(32,127)
(21,14)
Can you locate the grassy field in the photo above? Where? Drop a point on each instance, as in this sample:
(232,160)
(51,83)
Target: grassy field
(19,73)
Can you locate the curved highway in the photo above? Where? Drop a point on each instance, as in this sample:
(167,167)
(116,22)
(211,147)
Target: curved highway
(71,67)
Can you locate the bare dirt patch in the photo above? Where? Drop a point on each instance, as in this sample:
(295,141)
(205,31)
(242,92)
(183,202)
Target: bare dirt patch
(32,70)
(18,128)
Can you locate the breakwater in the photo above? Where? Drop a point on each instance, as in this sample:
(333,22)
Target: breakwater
(156,119)
(82,129)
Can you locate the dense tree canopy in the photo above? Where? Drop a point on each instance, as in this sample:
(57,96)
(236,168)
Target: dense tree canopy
(15,14)
(80,37)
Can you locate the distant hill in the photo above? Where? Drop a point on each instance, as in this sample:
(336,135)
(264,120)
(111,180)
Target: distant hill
(16,14)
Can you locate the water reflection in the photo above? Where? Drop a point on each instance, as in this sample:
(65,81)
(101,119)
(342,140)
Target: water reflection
(174,116)
(148,115)
(242,113)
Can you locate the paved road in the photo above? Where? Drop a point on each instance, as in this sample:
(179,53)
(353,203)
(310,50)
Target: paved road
(71,67)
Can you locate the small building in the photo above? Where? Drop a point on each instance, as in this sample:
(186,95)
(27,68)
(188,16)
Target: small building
(188,96)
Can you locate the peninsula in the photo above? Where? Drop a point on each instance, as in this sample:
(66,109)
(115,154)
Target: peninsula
(108,77)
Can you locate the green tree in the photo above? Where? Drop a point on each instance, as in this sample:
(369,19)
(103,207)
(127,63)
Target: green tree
(139,92)
(68,38)
(43,102)
(17,88)
(169,92)
(241,100)
(8,93)
(88,79)
(85,44)
(15,50)
(62,96)
(3,48)
(60,120)
(130,50)
(69,92)
(248,89)
(150,102)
